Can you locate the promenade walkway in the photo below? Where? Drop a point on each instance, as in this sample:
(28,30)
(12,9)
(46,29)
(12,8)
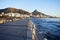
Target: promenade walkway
(16,30)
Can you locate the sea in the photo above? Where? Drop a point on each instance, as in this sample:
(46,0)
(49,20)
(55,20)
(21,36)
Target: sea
(48,27)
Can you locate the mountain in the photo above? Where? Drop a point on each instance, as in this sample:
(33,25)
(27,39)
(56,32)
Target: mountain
(35,13)
(40,14)
(14,10)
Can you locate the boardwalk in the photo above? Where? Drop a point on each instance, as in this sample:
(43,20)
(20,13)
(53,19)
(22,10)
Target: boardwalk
(14,30)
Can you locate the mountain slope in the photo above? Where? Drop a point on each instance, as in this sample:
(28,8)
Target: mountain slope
(40,14)
(14,10)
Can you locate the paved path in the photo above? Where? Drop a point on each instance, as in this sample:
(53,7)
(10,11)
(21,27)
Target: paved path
(14,30)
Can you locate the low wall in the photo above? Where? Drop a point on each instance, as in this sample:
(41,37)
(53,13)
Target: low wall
(35,32)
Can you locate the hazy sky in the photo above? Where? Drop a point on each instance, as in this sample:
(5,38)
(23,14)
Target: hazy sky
(50,7)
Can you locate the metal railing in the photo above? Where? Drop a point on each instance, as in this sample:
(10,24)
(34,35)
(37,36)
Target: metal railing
(36,35)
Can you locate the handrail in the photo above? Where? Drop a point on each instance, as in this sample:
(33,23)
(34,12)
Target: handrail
(36,35)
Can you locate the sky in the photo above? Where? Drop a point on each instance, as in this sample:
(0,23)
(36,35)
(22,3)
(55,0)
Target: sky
(49,7)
